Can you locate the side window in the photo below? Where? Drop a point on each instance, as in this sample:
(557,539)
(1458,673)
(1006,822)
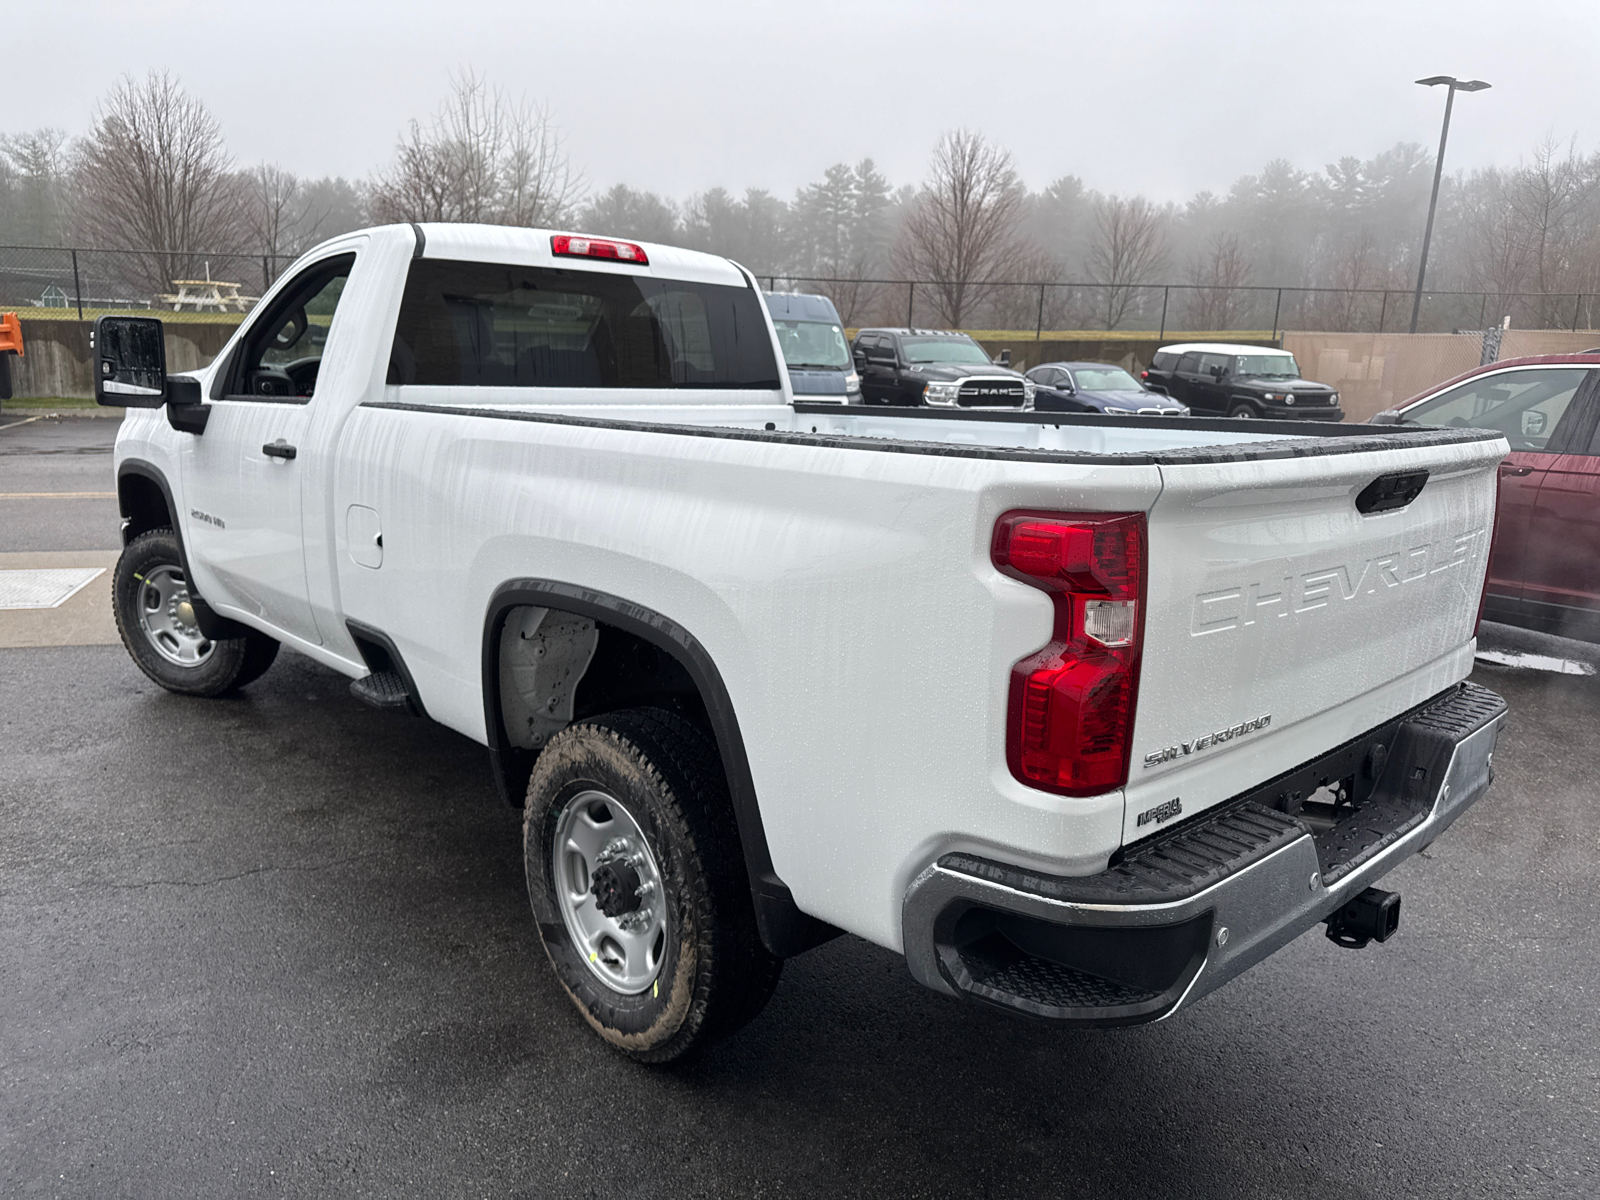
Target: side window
(467,324)
(1526,406)
(281,354)
(1162,362)
(1210,361)
(1189,364)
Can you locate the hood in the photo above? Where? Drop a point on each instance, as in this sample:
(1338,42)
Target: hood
(1282,385)
(811,381)
(1101,400)
(952,372)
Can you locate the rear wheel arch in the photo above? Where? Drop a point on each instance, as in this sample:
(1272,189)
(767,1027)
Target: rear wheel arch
(785,930)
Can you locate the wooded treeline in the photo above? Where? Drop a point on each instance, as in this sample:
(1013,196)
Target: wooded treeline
(153,171)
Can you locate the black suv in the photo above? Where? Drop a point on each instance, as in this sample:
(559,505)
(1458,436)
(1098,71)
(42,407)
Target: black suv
(934,367)
(1240,381)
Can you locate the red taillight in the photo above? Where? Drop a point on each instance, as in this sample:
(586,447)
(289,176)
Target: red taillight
(588,247)
(1070,725)
(1144,374)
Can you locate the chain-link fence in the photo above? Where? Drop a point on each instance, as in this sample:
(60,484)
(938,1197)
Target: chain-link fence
(81,283)
(1040,308)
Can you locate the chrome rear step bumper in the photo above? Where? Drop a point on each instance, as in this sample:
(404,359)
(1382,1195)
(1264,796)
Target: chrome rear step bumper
(1189,909)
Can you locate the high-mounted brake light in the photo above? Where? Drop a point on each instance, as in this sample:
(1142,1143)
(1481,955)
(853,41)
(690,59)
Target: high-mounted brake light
(586,247)
(1070,725)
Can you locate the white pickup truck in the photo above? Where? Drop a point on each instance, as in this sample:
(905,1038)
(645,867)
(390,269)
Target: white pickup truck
(1083,715)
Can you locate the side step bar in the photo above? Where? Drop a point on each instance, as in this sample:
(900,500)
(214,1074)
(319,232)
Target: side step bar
(389,685)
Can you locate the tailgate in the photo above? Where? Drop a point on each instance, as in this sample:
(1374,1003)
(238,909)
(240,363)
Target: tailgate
(1282,621)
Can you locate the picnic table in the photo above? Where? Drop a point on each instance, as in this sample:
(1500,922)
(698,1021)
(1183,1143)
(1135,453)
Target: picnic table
(205,295)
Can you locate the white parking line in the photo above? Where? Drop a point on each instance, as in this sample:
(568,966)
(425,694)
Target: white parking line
(44,587)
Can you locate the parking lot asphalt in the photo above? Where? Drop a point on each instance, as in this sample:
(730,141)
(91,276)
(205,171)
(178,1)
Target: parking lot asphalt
(278,945)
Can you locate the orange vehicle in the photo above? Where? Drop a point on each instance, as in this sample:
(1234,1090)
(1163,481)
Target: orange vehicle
(10,343)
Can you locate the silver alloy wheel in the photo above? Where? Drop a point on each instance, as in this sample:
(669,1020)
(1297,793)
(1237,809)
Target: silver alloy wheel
(597,843)
(166,614)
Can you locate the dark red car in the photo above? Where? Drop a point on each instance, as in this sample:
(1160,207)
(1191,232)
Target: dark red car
(1544,570)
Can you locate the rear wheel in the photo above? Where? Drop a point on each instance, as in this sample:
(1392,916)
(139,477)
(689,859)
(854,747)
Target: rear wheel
(154,609)
(637,880)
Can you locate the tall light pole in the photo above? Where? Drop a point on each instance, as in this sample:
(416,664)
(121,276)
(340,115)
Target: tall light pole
(1453,86)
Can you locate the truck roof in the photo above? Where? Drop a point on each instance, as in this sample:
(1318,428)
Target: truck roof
(1219,348)
(800,306)
(531,247)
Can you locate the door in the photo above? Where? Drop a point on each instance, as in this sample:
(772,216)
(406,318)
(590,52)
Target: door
(1181,385)
(1533,407)
(241,478)
(877,370)
(1210,388)
(1561,556)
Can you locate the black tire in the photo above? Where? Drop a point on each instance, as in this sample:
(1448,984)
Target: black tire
(714,974)
(228,664)
(1243,411)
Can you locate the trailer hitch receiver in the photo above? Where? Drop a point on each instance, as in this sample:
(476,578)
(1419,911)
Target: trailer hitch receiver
(1373,916)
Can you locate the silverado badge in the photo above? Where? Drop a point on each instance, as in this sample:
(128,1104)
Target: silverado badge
(1155,757)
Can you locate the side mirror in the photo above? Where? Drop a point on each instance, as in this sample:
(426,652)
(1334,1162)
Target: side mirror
(1003,359)
(1218,372)
(1388,416)
(130,356)
(1533,424)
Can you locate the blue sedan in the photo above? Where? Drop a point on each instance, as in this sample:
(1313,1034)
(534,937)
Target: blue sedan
(1097,387)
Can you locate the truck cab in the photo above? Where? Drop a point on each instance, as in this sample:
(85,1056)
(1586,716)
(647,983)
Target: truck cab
(939,368)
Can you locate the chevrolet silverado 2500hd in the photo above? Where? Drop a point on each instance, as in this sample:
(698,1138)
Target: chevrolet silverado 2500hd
(1082,716)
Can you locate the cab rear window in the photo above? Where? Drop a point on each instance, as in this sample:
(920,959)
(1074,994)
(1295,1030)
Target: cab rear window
(466,324)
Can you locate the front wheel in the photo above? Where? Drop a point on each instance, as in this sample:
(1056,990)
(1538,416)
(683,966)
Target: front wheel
(1243,412)
(154,608)
(637,880)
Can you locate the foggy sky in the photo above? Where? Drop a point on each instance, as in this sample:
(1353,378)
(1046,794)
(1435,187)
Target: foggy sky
(1164,99)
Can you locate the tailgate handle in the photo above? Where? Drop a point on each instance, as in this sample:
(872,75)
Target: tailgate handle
(1389,492)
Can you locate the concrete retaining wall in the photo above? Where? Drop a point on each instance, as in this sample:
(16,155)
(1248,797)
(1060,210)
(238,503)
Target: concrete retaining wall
(1375,371)
(56,361)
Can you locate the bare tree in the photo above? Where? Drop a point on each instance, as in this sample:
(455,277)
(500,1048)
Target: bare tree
(1129,248)
(486,157)
(1548,197)
(153,173)
(963,231)
(278,215)
(1217,277)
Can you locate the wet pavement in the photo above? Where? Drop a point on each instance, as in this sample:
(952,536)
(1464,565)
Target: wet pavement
(278,945)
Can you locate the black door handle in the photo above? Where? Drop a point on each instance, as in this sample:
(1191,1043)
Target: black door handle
(278,449)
